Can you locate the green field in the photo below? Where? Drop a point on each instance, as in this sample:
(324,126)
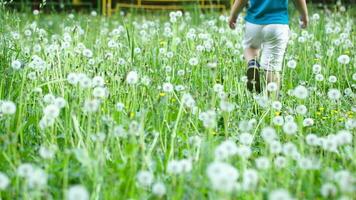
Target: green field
(147,106)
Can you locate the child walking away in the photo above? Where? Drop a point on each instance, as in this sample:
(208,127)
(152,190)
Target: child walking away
(267,28)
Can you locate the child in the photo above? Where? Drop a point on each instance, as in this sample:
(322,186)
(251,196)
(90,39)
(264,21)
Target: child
(266,27)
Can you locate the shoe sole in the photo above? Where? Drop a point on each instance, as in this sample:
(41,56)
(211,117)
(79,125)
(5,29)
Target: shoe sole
(253,80)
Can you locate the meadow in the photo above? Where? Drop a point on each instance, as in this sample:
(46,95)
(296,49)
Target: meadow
(146,106)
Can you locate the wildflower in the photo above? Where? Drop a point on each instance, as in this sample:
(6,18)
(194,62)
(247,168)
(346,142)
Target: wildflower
(72,78)
(100,92)
(279,194)
(343,59)
(16,65)
(167,87)
(51,111)
(280,162)
(328,190)
(308,122)
(144,178)
(301,109)
(289,149)
(292,64)
(37,178)
(316,69)
(278,120)
(87,53)
(4,181)
(7,107)
(218,88)
(132,77)
(277,105)
(290,127)
(188,100)
(332,79)
(319,77)
(250,179)
(193,61)
(119,131)
(275,147)
(159,189)
(225,150)
(262,163)
(245,138)
(244,151)
(334,94)
(222,176)
(174,167)
(47,152)
(300,92)
(98,81)
(60,102)
(84,81)
(272,86)
(312,139)
(344,137)
(226,106)
(208,118)
(91,106)
(268,134)
(77,192)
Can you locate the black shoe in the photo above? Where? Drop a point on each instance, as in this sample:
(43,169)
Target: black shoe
(253,76)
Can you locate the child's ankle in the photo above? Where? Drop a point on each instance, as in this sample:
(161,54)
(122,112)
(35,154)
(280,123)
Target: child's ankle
(253,62)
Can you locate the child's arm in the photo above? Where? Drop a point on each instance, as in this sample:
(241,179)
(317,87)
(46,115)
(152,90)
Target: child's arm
(235,11)
(303,11)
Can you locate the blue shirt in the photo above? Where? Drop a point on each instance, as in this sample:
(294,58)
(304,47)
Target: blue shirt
(267,12)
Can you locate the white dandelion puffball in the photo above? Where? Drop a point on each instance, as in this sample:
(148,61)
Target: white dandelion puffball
(343,59)
(159,189)
(7,107)
(145,178)
(290,128)
(4,181)
(272,86)
(77,192)
(51,111)
(72,78)
(292,64)
(16,65)
(332,79)
(334,94)
(301,92)
(132,77)
(279,194)
(193,61)
(167,87)
(222,176)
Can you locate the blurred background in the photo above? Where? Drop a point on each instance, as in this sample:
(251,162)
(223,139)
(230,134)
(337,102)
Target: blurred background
(108,7)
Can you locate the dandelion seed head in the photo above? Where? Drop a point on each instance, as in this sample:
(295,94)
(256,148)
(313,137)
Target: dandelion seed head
(77,192)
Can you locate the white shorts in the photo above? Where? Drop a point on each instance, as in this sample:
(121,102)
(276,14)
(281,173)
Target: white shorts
(272,38)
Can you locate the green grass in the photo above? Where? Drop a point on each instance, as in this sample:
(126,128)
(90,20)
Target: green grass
(162,128)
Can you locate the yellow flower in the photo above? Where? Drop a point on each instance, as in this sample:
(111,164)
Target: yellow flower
(277,113)
(162,94)
(132,114)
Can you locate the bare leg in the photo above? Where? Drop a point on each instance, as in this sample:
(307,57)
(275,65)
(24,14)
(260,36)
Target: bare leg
(251,53)
(253,77)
